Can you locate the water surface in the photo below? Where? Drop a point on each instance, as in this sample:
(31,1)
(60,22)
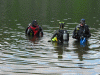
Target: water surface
(22,55)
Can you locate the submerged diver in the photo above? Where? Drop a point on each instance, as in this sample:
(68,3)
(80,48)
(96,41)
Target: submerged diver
(60,35)
(34,29)
(81,31)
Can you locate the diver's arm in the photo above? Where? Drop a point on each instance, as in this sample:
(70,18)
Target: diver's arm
(26,30)
(74,32)
(87,33)
(76,29)
(56,33)
(40,28)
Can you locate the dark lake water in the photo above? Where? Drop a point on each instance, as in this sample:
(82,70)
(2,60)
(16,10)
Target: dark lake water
(21,55)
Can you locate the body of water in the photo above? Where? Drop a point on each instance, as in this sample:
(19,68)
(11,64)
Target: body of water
(34,56)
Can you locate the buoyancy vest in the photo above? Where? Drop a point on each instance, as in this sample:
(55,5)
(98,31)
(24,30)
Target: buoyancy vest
(34,29)
(60,34)
(82,30)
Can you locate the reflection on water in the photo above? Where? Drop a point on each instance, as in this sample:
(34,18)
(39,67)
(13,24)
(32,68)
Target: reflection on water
(59,48)
(33,39)
(81,49)
(30,55)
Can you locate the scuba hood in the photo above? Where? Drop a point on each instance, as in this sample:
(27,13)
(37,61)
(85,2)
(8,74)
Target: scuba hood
(61,25)
(82,22)
(34,23)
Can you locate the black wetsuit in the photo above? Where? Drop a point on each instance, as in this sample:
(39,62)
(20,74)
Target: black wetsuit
(81,31)
(37,28)
(59,33)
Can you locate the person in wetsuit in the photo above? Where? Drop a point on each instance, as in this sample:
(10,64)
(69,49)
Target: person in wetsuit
(59,33)
(81,30)
(34,29)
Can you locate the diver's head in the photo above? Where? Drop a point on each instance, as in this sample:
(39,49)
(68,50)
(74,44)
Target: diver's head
(82,22)
(34,23)
(61,25)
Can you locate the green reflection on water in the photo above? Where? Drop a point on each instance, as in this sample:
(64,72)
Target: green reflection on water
(24,11)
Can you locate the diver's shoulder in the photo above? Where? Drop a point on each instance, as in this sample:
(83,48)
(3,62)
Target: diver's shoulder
(78,26)
(86,25)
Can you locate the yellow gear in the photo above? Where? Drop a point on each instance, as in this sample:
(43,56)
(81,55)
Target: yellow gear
(54,39)
(77,28)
